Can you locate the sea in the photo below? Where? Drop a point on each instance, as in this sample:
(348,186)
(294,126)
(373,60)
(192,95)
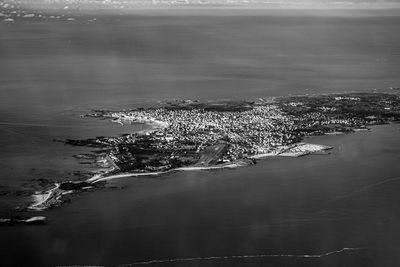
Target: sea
(341,209)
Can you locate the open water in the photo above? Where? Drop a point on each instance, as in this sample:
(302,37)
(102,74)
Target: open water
(275,213)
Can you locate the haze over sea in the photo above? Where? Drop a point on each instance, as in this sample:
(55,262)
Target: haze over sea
(51,71)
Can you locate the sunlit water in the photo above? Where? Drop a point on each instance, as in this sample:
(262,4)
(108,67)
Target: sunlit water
(50,73)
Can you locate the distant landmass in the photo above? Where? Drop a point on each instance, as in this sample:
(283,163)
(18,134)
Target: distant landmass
(70,10)
(267,3)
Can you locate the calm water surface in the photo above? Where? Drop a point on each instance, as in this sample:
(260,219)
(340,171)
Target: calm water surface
(50,73)
(308,205)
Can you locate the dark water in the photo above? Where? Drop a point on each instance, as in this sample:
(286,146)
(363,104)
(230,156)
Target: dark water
(308,205)
(50,72)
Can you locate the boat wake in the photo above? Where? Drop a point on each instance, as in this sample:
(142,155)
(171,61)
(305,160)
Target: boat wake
(211,258)
(365,188)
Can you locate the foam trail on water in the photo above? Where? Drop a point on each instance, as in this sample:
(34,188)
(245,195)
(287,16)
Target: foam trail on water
(239,257)
(365,188)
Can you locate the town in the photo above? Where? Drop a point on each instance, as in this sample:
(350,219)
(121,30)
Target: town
(189,135)
(193,133)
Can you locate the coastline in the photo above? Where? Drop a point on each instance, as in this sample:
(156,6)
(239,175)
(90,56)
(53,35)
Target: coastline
(293,210)
(51,197)
(96,179)
(46,199)
(154,210)
(305,149)
(224,134)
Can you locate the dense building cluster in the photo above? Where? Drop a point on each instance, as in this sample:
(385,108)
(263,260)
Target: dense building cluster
(249,132)
(191,135)
(182,134)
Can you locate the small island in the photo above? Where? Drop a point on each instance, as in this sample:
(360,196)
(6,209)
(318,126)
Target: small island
(196,135)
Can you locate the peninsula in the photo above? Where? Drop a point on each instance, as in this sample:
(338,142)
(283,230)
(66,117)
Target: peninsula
(197,135)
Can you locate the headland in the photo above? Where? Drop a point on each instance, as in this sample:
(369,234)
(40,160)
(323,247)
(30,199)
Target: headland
(207,135)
